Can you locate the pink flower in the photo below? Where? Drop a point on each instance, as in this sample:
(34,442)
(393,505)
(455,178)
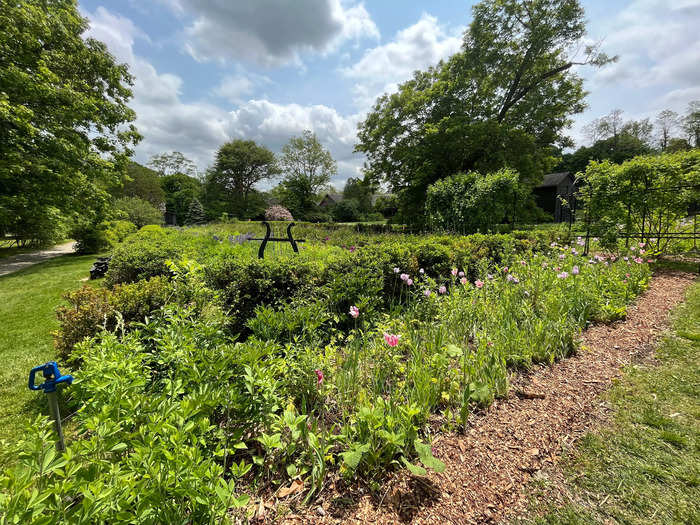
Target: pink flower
(409,282)
(489,276)
(426,292)
(461,274)
(642,244)
(404,276)
(463,280)
(319,377)
(454,271)
(553,244)
(391,339)
(573,251)
(544,265)
(523,263)
(352,248)
(562,256)
(625,258)
(574,270)
(396,270)
(627,275)
(489,343)
(650,260)
(562,275)
(505,269)
(442,289)
(354,312)
(638,260)
(479,284)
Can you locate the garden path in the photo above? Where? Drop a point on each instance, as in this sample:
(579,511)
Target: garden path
(517,439)
(23,260)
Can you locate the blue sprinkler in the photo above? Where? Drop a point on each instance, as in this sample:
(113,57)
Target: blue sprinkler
(52,378)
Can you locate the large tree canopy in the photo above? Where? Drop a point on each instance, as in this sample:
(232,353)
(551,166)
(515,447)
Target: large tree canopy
(64,133)
(239,165)
(308,168)
(503,100)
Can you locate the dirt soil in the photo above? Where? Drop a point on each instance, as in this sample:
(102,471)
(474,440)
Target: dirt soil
(490,466)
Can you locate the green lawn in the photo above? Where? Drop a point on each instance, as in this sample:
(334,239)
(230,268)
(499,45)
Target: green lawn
(28,299)
(646,467)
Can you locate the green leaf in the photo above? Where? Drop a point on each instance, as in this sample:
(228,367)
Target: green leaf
(414,469)
(118,447)
(426,456)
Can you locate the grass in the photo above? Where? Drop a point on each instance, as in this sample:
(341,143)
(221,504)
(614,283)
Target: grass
(646,467)
(28,299)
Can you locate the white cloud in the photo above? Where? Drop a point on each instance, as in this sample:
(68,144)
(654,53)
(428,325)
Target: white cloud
(270,32)
(198,128)
(419,46)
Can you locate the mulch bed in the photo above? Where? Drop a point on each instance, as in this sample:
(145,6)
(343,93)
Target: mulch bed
(489,467)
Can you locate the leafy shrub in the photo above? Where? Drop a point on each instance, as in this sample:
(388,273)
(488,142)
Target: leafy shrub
(92,309)
(347,210)
(139,211)
(144,255)
(471,202)
(117,231)
(89,238)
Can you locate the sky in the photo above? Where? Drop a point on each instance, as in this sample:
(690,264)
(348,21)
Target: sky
(210,71)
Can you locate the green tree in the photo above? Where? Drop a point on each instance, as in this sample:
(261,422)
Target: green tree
(615,149)
(195,215)
(180,190)
(691,123)
(139,211)
(172,163)
(64,122)
(141,182)
(360,191)
(666,123)
(308,168)
(228,186)
(347,210)
(503,100)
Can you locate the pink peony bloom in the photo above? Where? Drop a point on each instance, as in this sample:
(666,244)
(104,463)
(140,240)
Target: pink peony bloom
(454,271)
(625,258)
(404,276)
(505,269)
(523,263)
(409,282)
(562,256)
(319,377)
(461,274)
(479,284)
(396,270)
(574,270)
(489,343)
(642,244)
(650,260)
(627,275)
(442,289)
(391,339)
(562,275)
(426,292)
(463,280)
(638,260)
(354,312)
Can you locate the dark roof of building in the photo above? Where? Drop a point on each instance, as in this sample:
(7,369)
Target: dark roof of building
(554,179)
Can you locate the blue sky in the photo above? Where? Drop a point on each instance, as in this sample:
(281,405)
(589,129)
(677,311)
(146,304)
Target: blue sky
(208,71)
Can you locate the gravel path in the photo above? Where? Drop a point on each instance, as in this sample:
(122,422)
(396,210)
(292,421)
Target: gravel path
(490,467)
(23,260)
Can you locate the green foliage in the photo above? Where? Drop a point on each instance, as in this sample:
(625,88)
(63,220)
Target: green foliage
(239,165)
(172,163)
(143,183)
(347,210)
(308,388)
(64,122)
(180,190)
(471,202)
(307,168)
(504,99)
(138,211)
(647,196)
(195,214)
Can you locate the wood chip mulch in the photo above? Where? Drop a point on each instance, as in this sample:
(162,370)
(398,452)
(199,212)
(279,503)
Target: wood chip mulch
(489,467)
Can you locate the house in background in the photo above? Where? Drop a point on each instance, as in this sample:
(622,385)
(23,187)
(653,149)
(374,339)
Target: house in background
(554,187)
(330,199)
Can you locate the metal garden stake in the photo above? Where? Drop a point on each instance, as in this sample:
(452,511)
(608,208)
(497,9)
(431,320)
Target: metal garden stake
(52,378)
